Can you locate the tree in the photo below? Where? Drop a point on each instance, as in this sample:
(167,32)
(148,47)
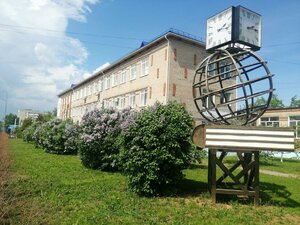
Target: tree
(260,101)
(10,119)
(295,102)
(276,102)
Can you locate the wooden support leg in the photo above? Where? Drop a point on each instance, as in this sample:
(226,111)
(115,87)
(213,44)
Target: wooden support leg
(213,164)
(256,178)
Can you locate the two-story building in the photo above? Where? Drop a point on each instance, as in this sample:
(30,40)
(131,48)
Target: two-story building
(161,70)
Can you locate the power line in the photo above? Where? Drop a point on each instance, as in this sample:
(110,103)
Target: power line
(66,38)
(73,32)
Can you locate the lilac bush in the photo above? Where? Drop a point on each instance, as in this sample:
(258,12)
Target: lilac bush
(156,148)
(100,133)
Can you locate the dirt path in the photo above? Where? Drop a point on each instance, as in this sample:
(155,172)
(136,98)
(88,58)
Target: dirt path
(5,202)
(275,173)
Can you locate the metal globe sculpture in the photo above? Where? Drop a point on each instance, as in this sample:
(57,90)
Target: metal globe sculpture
(232,86)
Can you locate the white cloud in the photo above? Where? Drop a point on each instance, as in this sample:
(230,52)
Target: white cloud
(37,58)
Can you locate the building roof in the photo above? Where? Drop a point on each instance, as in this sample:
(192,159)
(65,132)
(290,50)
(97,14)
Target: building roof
(145,45)
(285,109)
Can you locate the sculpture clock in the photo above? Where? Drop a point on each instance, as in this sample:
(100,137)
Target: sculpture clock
(235,25)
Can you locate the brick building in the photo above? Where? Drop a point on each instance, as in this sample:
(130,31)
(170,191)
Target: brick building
(282,117)
(161,70)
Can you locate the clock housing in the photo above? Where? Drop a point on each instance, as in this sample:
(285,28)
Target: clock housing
(232,26)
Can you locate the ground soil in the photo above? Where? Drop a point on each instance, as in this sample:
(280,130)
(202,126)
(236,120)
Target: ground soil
(5,201)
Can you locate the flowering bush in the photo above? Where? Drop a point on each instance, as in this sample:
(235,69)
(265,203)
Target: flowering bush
(156,148)
(28,132)
(57,136)
(72,134)
(100,131)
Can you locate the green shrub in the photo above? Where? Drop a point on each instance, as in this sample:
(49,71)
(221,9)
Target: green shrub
(28,132)
(57,136)
(99,148)
(156,148)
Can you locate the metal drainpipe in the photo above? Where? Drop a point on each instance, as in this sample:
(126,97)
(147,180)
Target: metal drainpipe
(168,66)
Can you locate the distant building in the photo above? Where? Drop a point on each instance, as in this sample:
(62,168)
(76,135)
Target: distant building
(27,113)
(282,117)
(161,70)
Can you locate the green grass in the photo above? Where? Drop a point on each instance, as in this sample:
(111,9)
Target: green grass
(290,166)
(57,189)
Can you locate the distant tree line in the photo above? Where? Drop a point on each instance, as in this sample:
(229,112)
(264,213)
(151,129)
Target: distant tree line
(276,102)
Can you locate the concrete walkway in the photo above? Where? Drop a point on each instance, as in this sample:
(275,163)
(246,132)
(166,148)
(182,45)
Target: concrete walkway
(274,173)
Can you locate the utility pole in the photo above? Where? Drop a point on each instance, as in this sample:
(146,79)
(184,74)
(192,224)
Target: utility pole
(5,108)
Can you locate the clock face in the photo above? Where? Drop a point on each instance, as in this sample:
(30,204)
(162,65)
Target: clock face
(249,27)
(219,29)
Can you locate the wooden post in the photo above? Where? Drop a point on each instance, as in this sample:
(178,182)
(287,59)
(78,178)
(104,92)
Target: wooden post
(213,165)
(256,178)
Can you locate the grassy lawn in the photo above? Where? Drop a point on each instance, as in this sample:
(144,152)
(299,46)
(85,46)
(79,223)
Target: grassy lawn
(290,166)
(55,189)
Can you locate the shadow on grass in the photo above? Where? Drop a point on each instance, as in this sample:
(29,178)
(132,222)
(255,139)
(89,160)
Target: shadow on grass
(185,188)
(270,194)
(274,194)
(197,166)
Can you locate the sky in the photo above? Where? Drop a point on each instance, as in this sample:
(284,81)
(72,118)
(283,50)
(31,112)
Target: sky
(47,45)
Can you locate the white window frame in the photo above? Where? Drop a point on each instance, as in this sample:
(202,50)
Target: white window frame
(107,82)
(132,99)
(122,102)
(123,76)
(144,97)
(225,96)
(145,66)
(133,72)
(269,121)
(115,79)
(102,82)
(297,124)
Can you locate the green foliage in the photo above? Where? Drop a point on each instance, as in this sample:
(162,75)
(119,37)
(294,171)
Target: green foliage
(156,148)
(295,102)
(10,119)
(260,101)
(99,149)
(50,184)
(26,123)
(276,102)
(55,136)
(28,132)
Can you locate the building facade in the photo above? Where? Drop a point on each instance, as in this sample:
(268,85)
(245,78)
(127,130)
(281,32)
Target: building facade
(27,113)
(161,70)
(282,117)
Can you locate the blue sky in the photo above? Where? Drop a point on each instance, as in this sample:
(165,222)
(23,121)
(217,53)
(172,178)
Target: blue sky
(48,44)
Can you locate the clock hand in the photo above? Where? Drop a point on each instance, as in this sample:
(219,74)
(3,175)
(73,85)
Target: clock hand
(221,28)
(253,28)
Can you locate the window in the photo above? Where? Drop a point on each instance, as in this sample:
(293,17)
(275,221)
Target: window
(294,121)
(123,76)
(92,89)
(269,121)
(209,100)
(122,102)
(115,103)
(95,88)
(224,68)
(115,79)
(132,99)
(107,82)
(133,72)
(211,69)
(102,84)
(145,66)
(225,97)
(144,94)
